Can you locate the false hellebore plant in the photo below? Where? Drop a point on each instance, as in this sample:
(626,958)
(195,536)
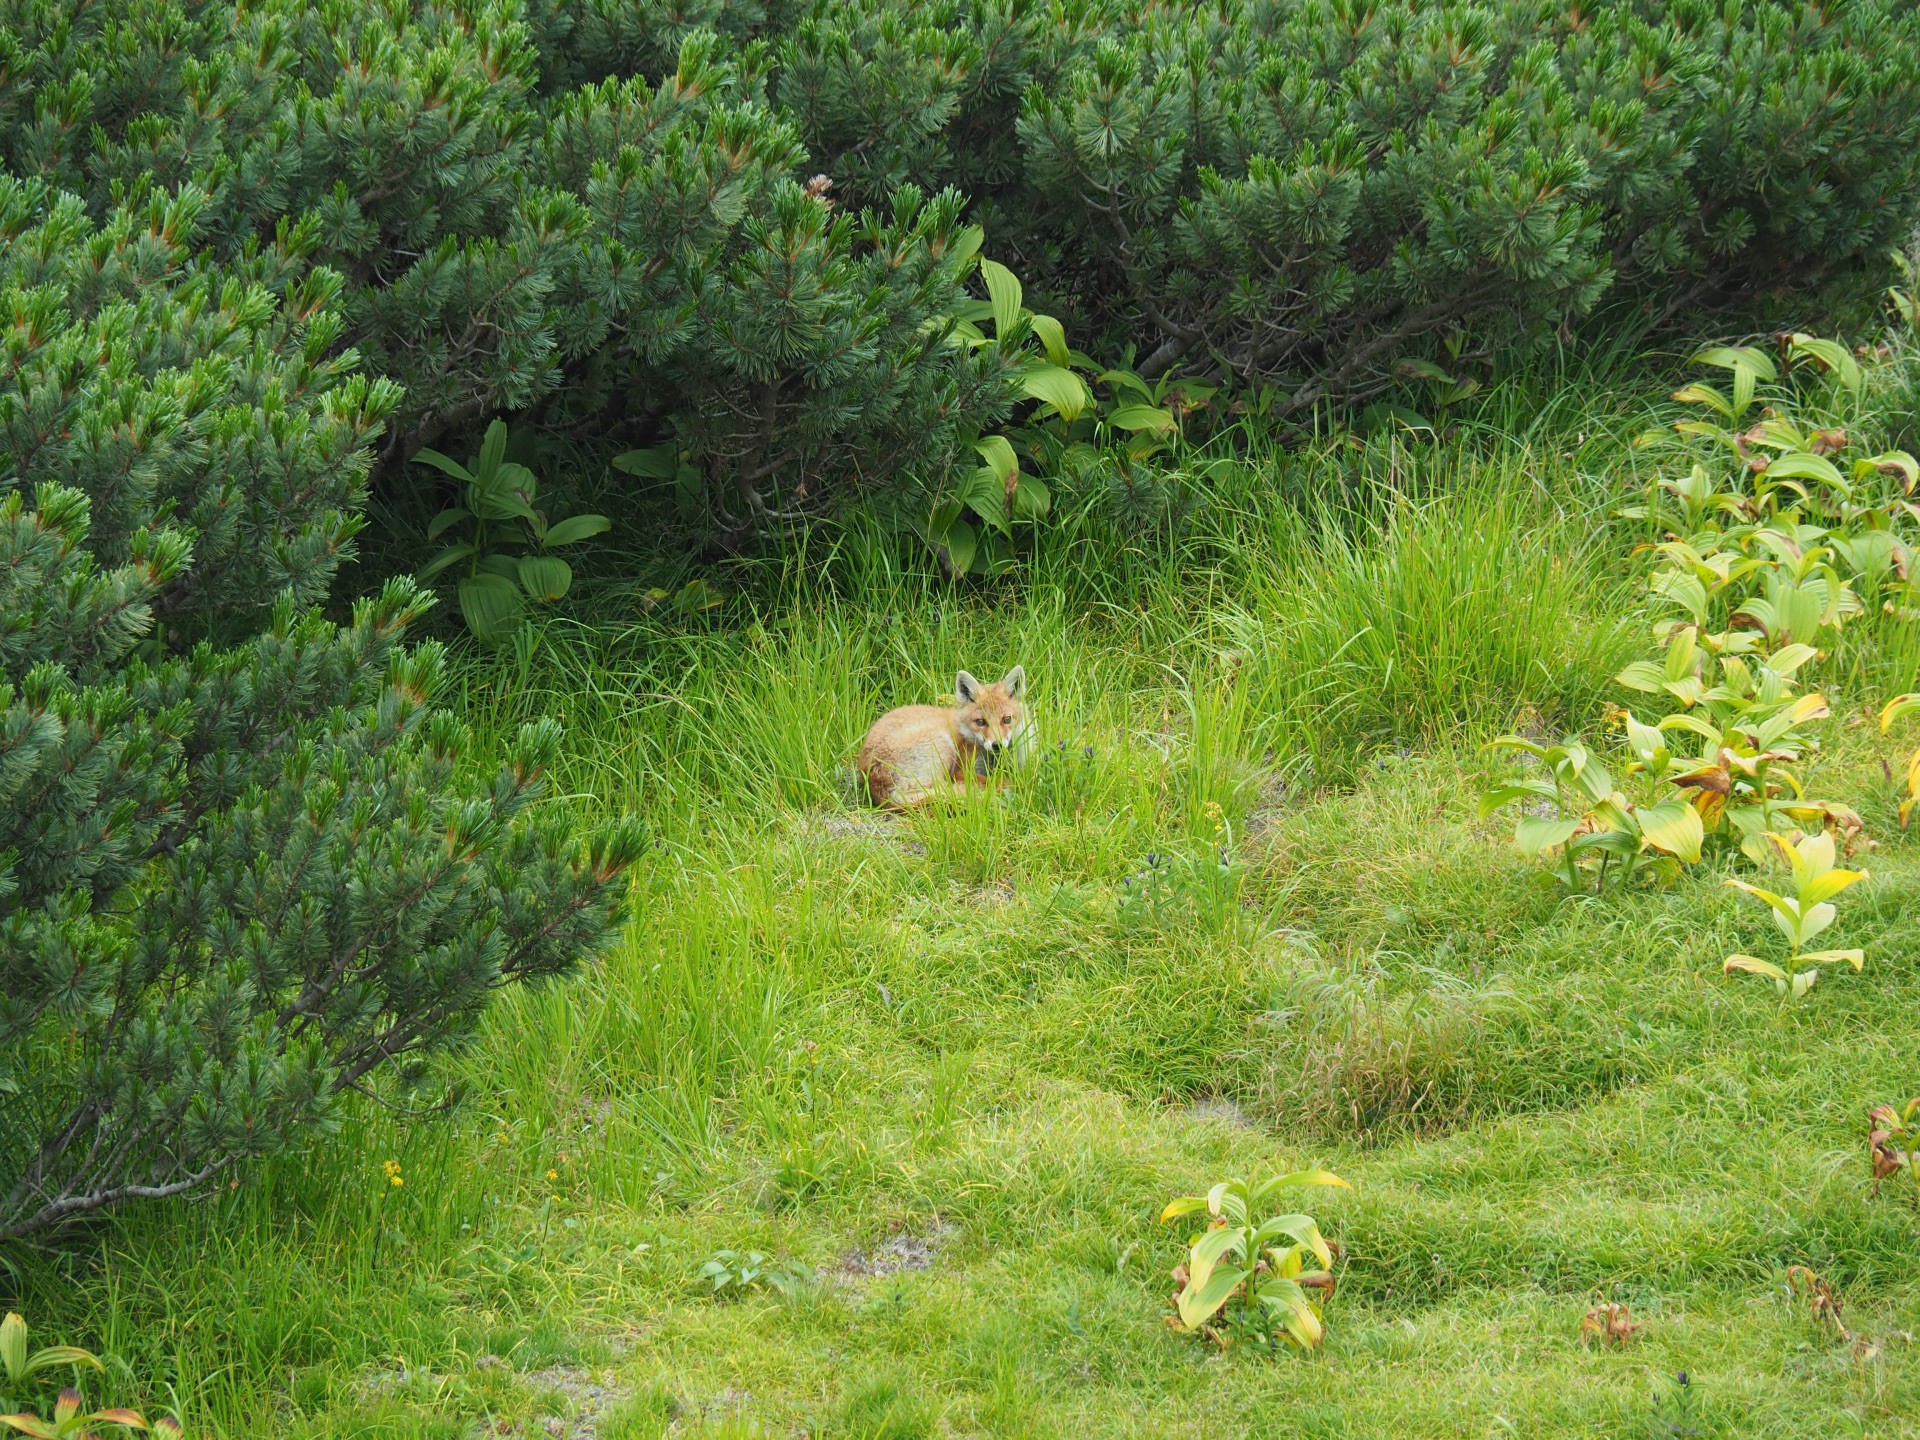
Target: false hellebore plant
(1801,915)
(1768,547)
(1239,1282)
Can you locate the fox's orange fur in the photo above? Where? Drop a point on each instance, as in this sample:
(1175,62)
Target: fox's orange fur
(919,751)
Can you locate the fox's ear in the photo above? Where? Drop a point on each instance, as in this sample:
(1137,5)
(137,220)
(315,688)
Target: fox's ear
(967,688)
(1016,681)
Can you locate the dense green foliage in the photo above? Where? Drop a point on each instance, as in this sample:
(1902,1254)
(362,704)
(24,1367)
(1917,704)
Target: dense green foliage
(640,249)
(1310,192)
(604,212)
(240,867)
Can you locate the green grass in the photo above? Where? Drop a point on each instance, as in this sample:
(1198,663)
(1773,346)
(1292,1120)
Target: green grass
(959,1039)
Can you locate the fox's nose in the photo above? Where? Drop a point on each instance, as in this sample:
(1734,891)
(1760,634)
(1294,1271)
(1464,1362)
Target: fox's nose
(995,745)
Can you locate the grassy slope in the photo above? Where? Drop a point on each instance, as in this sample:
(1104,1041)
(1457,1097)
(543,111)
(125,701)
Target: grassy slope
(832,1037)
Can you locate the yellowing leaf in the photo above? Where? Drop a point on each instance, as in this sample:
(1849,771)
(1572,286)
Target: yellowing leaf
(1754,965)
(1674,826)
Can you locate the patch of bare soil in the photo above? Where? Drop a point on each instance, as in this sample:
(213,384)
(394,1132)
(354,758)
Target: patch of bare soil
(899,1252)
(1222,1112)
(588,1402)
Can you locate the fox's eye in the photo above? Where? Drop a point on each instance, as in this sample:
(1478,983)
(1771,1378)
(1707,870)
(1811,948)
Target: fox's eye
(1006,719)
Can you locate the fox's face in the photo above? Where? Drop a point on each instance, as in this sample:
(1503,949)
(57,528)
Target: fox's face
(991,715)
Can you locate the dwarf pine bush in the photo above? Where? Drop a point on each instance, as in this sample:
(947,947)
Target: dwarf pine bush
(242,866)
(1310,193)
(636,251)
(603,211)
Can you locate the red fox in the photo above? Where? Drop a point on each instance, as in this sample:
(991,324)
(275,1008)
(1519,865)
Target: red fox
(919,751)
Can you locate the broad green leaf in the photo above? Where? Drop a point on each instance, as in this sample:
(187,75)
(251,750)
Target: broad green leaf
(443,463)
(1118,380)
(961,542)
(1896,462)
(492,606)
(659,463)
(1705,429)
(1534,834)
(1142,417)
(1789,658)
(1501,795)
(451,555)
(1053,339)
(1003,292)
(1286,1298)
(495,503)
(1299,1228)
(697,595)
(1828,885)
(546,578)
(998,454)
(1702,394)
(967,242)
(1802,466)
(1780,904)
(1681,651)
(1643,675)
(1031,498)
(575,528)
(1693,724)
(1734,357)
(986,495)
(1058,387)
(1686,690)
(1198,1304)
(493,449)
(1683,590)
(1589,776)
(13,1347)
(1811,706)
(1287,1262)
(1813,921)
(1379,416)
(1673,826)
(1185,1205)
(445,521)
(1645,739)
(32,1426)
(1834,356)
(1211,1248)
